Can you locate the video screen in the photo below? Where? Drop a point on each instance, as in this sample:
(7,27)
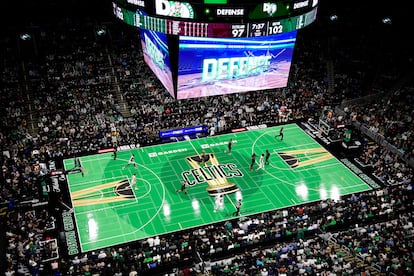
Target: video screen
(156,55)
(216,66)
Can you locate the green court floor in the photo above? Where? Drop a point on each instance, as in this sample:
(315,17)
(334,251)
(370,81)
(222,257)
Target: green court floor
(109,211)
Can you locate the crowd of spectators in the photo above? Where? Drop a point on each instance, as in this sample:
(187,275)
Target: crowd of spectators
(68,99)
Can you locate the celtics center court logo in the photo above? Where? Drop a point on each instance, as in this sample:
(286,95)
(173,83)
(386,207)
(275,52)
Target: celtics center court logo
(206,168)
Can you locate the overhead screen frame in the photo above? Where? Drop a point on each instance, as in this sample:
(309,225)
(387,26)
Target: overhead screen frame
(217,66)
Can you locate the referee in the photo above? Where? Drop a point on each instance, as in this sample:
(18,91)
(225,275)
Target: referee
(238,206)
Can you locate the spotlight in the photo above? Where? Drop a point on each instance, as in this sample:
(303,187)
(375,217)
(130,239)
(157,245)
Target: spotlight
(25,36)
(101,31)
(386,20)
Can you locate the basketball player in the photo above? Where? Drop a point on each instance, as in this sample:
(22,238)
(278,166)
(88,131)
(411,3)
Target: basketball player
(134,181)
(253,161)
(267,157)
(115,152)
(280,134)
(183,187)
(218,203)
(131,161)
(229,145)
(261,162)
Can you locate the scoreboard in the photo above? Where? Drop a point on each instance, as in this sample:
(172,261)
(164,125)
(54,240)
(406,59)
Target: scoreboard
(179,26)
(200,48)
(224,10)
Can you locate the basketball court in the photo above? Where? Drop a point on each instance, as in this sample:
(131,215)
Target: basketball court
(109,211)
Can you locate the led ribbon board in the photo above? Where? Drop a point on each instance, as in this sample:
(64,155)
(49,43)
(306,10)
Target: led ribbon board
(218,29)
